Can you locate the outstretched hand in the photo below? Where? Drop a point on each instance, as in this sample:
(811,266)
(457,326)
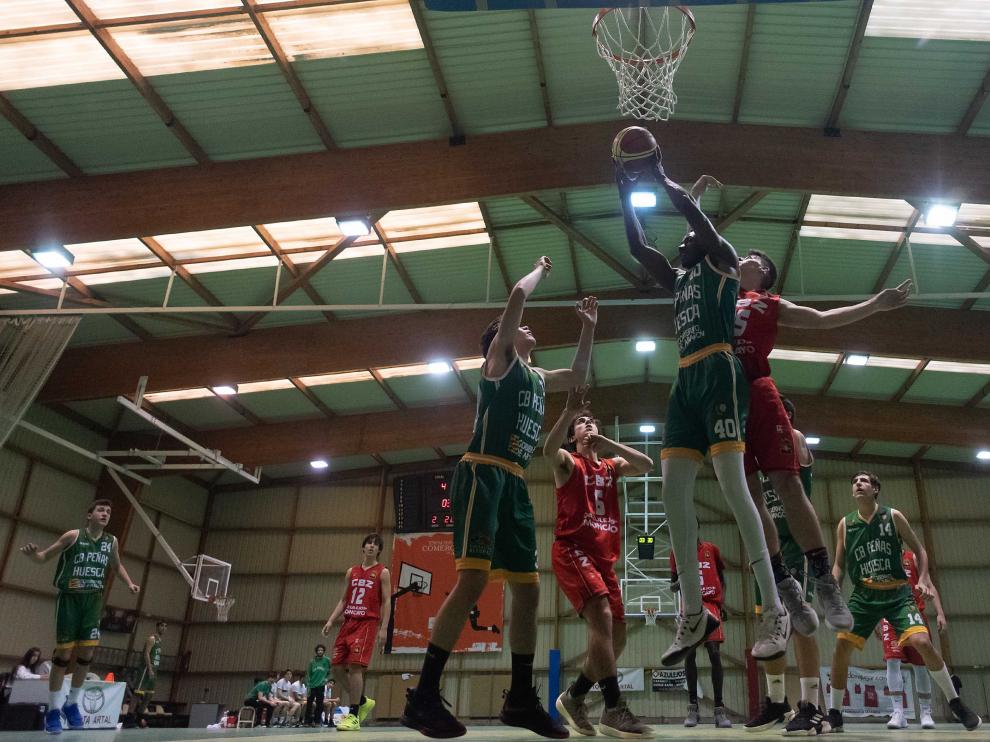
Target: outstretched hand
(893,298)
(544,263)
(576,399)
(587,310)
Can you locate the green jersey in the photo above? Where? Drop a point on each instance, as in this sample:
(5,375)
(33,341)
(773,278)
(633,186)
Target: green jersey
(873,550)
(510,415)
(317,672)
(264,688)
(704,307)
(82,568)
(156,652)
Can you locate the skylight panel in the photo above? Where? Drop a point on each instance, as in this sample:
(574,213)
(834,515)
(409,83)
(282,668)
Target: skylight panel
(345,30)
(783,354)
(33,13)
(105,9)
(964,20)
(851,210)
(974,215)
(178,394)
(433,220)
(305,233)
(54,59)
(394,372)
(110,253)
(213,243)
(264,386)
(138,274)
(890,362)
(193,45)
(262,261)
(958,367)
(345,377)
(17,263)
(465,364)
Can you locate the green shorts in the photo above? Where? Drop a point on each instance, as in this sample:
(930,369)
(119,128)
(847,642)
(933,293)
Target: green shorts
(708,404)
(77,619)
(147,684)
(797,565)
(869,605)
(494,525)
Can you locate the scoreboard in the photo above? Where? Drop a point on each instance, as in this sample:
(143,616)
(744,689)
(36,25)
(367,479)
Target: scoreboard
(422,503)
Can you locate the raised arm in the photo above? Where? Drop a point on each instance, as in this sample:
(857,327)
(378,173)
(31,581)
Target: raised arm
(338,609)
(386,587)
(560,459)
(43,555)
(795,315)
(839,567)
(502,351)
(119,566)
(909,537)
(650,258)
(702,184)
(566,378)
(628,461)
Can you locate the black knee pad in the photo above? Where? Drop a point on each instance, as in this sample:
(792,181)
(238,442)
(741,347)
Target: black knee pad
(81,661)
(59,662)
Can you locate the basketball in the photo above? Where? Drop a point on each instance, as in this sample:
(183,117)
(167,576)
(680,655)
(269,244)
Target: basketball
(634,147)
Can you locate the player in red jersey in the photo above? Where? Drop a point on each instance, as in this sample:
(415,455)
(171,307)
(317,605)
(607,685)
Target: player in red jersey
(894,653)
(769,442)
(587,545)
(712,571)
(364,609)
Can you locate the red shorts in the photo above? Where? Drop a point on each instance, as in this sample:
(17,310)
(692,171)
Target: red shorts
(892,650)
(719,634)
(769,445)
(581,578)
(355,642)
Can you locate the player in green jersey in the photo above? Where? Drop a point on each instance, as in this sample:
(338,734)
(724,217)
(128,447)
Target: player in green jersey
(494,526)
(868,544)
(152,661)
(706,412)
(83,557)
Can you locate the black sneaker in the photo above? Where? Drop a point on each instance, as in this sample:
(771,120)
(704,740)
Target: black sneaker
(529,713)
(426,714)
(809,721)
(966,716)
(835,720)
(771,714)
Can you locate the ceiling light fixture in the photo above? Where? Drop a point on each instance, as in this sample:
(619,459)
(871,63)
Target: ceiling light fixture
(354,226)
(225,390)
(438,367)
(53,256)
(319,464)
(941,215)
(645,346)
(643,199)
(647,428)
(983,455)
(812,440)
(857,359)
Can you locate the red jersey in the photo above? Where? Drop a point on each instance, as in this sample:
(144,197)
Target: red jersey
(910,564)
(364,596)
(588,509)
(756,331)
(709,566)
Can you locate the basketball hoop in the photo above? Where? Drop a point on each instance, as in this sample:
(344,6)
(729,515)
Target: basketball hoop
(650,614)
(223,603)
(644,46)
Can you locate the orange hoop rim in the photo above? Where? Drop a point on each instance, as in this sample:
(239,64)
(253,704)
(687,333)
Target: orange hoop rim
(656,60)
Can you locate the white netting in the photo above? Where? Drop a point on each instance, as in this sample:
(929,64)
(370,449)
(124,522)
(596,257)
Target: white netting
(650,614)
(29,349)
(223,605)
(644,47)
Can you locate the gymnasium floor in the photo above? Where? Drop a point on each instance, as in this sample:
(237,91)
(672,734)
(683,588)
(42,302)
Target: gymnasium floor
(672,733)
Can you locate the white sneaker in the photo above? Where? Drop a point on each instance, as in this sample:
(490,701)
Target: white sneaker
(772,633)
(691,631)
(927,722)
(897,720)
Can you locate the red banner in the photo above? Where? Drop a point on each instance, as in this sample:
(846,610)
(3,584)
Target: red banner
(423,575)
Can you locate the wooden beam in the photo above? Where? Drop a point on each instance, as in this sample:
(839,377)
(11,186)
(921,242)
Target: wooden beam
(376,375)
(313,399)
(289,73)
(502,270)
(534,34)
(286,260)
(737,213)
(565,213)
(586,242)
(348,181)
(279,353)
(128,323)
(852,57)
(235,405)
(981,286)
(836,367)
(792,242)
(909,381)
(979,396)
(434,60)
(975,106)
(31,132)
(744,62)
(972,245)
(188,278)
(895,253)
(449,425)
(393,258)
(158,105)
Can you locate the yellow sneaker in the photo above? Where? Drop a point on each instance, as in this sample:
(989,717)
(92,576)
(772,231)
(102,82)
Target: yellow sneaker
(365,708)
(349,723)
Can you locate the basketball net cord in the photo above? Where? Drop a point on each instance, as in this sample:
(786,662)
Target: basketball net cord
(223,603)
(644,48)
(650,614)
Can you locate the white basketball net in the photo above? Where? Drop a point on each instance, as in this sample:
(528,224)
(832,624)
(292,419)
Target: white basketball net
(644,47)
(650,614)
(223,605)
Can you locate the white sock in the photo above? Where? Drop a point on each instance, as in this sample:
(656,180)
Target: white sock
(732,479)
(837,696)
(895,685)
(54,699)
(809,690)
(74,695)
(775,687)
(678,499)
(944,681)
(923,685)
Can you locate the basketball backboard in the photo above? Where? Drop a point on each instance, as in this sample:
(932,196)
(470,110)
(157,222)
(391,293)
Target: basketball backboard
(415,577)
(463,5)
